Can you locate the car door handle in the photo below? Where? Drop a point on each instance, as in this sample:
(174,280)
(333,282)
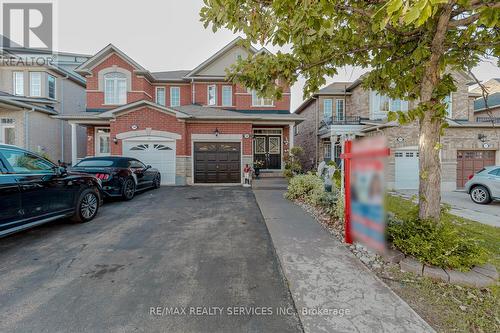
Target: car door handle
(30,186)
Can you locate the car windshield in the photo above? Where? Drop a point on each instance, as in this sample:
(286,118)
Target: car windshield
(98,163)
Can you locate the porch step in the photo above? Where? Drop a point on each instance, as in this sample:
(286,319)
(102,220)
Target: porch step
(271,174)
(270,183)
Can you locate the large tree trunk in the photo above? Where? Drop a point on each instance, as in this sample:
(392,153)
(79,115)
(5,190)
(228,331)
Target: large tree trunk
(429,190)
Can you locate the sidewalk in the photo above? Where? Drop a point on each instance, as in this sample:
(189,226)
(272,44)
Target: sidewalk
(323,274)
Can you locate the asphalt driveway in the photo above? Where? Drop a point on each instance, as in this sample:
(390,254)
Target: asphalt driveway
(169,250)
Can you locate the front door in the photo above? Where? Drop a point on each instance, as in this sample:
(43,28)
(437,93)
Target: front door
(102,142)
(267,148)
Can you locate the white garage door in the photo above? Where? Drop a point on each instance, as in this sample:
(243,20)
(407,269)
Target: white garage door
(406,170)
(157,152)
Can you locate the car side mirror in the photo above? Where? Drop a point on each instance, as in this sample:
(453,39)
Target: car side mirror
(60,171)
(147,167)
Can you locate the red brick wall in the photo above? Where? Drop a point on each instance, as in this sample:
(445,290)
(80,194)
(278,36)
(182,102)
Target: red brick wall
(147,118)
(224,128)
(185,90)
(90,141)
(141,87)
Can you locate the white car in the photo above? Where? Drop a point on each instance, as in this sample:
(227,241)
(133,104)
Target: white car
(484,185)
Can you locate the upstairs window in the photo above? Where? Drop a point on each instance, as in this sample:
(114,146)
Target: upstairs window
(261,101)
(115,88)
(227,95)
(448,100)
(35,84)
(381,104)
(327,108)
(51,86)
(175,96)
(339,107)
(160,95)
(18,83)
(212,95)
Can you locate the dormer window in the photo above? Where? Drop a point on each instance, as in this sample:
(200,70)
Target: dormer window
(115,88)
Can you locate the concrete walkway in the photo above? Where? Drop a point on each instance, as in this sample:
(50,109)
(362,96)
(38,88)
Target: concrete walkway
(324,276)
(462,205)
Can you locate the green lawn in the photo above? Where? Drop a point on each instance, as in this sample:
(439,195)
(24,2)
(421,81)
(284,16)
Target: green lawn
(488,235)
(446,307)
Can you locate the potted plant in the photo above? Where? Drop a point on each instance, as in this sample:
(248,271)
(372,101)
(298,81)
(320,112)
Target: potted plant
(257,165)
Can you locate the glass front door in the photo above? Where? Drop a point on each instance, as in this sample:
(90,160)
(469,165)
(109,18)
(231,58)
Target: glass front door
(267,148)
(102,142)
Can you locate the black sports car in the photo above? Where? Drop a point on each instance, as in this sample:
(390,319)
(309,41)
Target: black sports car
(34,191)
(120,176)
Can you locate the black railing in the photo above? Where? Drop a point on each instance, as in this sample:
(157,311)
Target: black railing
(347,120)
(488,120)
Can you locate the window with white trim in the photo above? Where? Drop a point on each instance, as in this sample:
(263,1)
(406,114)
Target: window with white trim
(448,100)
(35,84)
(51,86)
(227,95)
(261,101)
(175,96)
(327,108)
(160,95)
(115,88)
(212,95)
(327,150)
(7,131)
(18,83)
(380,105)
(339,107)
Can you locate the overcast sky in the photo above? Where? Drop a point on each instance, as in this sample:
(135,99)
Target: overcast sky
(162,35)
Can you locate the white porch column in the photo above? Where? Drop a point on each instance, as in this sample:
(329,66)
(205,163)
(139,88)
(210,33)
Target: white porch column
(73,144)
(291,135)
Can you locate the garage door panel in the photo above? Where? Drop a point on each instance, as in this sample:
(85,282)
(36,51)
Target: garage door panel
(158,154)
(471,161)
(406,170)
(217,162)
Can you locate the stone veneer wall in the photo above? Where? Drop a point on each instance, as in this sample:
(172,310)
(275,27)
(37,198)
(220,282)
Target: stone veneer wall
(454,139)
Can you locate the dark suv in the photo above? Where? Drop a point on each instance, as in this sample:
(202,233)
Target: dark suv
(34,191)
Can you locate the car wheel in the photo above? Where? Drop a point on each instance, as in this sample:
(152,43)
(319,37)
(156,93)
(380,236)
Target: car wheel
(128,190)
(87,206)
(480,195)
(157,181)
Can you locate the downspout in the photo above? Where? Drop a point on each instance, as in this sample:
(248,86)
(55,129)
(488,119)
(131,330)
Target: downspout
(62,121)
(26,128)
(316,131)
(193,92)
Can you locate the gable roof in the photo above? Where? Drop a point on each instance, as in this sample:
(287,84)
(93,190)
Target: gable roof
(170,75)
(219,53)
(134,105)
(86,67)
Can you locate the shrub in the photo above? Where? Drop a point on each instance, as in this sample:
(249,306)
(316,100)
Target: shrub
(337,175)
(293,166)
(436,243)
(339,208)
(308,187)
(328,201)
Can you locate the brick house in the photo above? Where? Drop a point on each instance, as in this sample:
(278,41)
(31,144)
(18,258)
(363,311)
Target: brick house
(192,125)
(489,110)
(346,110)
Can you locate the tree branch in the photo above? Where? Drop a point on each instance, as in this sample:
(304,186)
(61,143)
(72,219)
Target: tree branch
(473,17)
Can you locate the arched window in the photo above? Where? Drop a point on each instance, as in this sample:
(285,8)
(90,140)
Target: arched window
(115,88)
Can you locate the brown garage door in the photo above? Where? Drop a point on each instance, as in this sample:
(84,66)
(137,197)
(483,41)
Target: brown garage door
(217,162)
(471,161)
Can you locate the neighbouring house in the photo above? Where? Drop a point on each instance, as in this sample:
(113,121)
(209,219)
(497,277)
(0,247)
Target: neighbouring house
(345,110)
(488,110)
(34,87)
(192,125)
